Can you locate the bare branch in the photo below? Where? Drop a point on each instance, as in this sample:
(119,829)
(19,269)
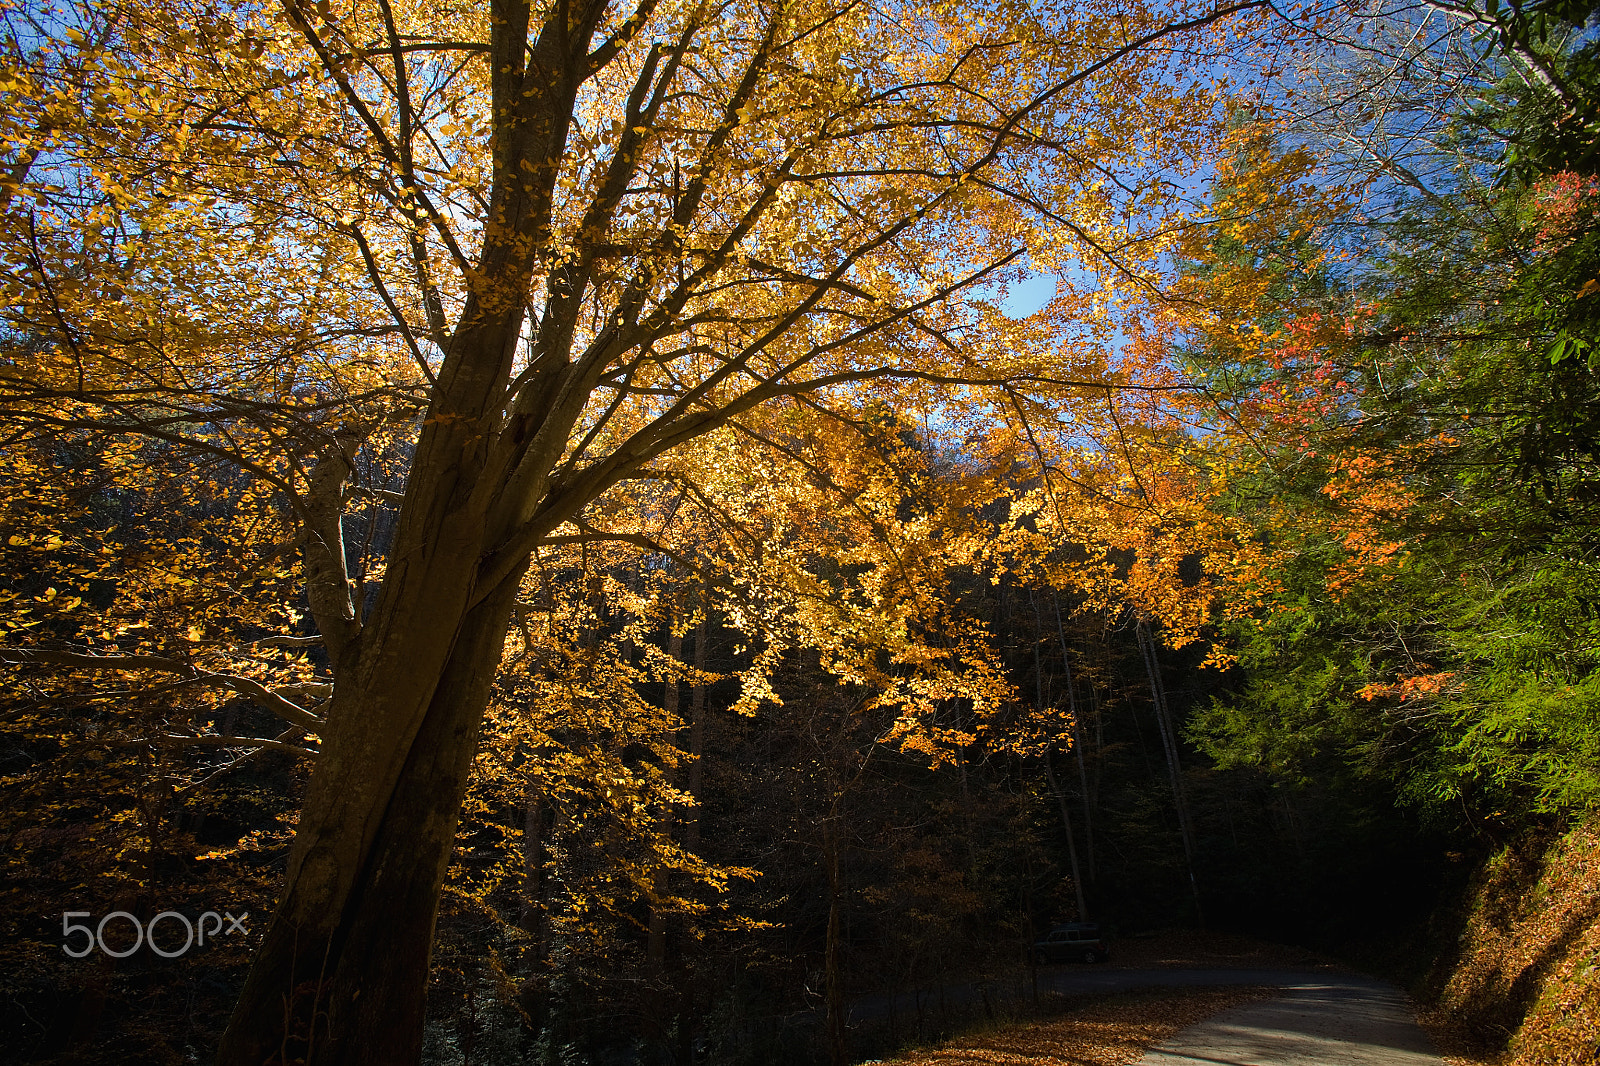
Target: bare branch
(288,642)
(257,692)
(206,740)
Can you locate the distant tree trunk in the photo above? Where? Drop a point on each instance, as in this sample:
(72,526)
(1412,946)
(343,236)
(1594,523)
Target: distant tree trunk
(1030,959)
(1049,771)
(695,788)
(468,1030)
(1099,765)
(531,920)
(656,944)
(832,978)
(697,739)
(1066,823)
(969,836)
(533,816)
(1158,695)
(1077,737)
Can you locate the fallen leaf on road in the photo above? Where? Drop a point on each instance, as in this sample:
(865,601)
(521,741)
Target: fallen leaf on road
(1104,1031)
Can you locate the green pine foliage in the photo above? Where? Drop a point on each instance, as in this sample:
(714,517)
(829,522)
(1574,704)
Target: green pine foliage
(1464,673)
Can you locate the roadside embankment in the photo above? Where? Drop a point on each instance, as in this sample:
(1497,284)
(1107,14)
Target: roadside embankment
(1521,986)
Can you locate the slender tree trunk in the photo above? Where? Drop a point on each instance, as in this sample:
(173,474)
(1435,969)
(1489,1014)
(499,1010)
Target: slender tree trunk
(691,819)
(656,939)
(1072,847)
(697,740)
(533,818)
(1077,737)
(970,835)
(531,919)
(1099,764)
(1030,958)
(832,978)
(1049,771)
(1169,741)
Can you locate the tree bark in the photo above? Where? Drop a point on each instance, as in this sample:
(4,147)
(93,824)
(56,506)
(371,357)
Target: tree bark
(1066,824)
(697,739)
(341,974)
(532,919)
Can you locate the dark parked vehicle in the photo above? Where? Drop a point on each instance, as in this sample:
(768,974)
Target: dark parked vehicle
(1073,942)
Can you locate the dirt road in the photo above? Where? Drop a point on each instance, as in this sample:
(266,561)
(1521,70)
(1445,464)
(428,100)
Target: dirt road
(1325,1015)
(1345,1021)
(1081,980)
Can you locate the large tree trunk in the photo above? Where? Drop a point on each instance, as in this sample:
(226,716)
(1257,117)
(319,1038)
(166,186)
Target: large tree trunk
(341,975)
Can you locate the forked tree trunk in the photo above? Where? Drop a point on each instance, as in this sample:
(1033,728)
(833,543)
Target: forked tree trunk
(341,975)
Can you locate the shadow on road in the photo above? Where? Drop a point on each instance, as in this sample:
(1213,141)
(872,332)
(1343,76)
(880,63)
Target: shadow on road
(1327,1016)
(1351,1022)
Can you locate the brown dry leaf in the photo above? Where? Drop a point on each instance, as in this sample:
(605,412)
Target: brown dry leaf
(1529,962)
